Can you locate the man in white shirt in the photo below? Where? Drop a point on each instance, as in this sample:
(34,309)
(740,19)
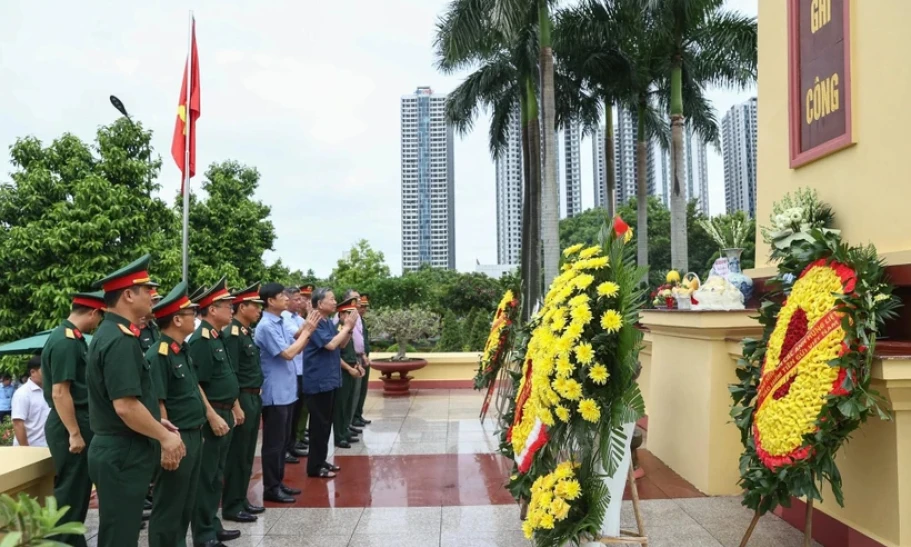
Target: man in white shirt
(30,410)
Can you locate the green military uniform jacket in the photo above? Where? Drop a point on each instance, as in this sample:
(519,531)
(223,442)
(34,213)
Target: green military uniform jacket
(63,360)
(116,368)
(149,335)
(244,355)
(213,365)
(366,337)
(176,383)
(348,354)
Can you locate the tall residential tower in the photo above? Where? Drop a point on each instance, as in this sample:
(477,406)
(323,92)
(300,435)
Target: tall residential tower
(738,142)
(428,197)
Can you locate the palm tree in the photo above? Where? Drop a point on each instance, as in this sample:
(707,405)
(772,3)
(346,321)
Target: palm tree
(468,36)
(703,45)
(607,44)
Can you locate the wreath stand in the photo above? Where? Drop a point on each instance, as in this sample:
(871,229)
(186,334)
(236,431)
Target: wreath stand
(628,537)
(807,530)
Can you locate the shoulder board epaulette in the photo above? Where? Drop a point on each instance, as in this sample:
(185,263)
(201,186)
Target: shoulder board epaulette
(234,330)
(125,329)
(69,333)
(163,348)
(204,333)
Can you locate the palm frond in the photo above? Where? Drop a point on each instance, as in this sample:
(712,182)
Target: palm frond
(482,88)
(724,50)
(463,34)
(505,111)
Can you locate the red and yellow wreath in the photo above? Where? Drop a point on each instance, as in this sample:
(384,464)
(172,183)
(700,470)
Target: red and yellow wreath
(796,376)
(805,386)
(498,341)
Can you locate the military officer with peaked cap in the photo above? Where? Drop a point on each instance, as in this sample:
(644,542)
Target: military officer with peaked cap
(218,385)
(67,428)
(130,440)
(181,404)
(244,354)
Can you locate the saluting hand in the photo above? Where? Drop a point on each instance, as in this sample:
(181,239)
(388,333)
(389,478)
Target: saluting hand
(351,320)
(219,425)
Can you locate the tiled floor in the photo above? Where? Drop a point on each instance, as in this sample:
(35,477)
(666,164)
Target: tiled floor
(427,474)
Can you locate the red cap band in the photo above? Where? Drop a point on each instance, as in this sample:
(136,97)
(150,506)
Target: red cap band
(212,298)
(89,303)
(172,308)
(136,278)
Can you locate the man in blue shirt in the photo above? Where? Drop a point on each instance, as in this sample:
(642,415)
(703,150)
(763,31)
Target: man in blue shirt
(294,322)
(323,377)
(6,397)
(277,348)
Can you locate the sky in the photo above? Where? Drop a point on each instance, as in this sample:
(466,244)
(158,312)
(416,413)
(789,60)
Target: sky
(307,92)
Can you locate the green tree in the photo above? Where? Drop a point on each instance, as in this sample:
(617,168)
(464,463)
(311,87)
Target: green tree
(229,230)
(74,212)
(703,44)
(358,267)
(472,291)
(451,335)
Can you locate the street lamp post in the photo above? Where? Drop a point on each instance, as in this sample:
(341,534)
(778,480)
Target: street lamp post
(118,104)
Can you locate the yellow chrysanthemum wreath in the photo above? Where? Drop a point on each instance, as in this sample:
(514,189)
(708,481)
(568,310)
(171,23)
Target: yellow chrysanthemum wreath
(498,341)
(576,389)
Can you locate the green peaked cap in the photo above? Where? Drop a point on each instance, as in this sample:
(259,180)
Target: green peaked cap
(134,273)
(175,301)
(89,299)
(250,294)
(197,292)
(218,291)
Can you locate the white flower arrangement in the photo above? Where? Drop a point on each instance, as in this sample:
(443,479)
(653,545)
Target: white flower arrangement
(794,217)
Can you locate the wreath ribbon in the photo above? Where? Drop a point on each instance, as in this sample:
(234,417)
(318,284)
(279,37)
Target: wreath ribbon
(777,378)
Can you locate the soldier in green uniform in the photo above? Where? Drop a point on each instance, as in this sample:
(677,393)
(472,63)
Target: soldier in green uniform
(341,418)
(244,355)
(149,333)
(218,384)
(123,410)
(359,420)
(180,403)
(67,428)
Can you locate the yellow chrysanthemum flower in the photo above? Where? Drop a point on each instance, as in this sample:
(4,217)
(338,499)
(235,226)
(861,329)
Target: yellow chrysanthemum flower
(574,331)
(569,251)
(672,276)
(564,345)
(608,289)
(599,374)
(585,353)
(590,252)
(584,281)
(579,300)
(582,314)
(611,321)
(590,410)
(563,413)
(571,390)
(568,490)
(559,509)
(558,323)
(565,367)
(547,521)
(528,529)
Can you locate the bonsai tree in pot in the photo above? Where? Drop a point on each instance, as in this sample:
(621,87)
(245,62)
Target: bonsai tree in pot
(404,326)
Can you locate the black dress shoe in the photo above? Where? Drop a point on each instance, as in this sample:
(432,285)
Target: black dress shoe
(355,430)
(359,423)
(278,497)
(254,509)
(343,444)
(290,458)
(300,453)
(354,439)
(301,445)
(365,421)
(289,491)
(243,516)
(227,535)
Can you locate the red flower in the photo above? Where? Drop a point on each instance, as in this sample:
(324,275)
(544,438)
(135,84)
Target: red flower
(620,227)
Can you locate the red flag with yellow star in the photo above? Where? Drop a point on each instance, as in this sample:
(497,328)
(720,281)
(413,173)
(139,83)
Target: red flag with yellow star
(186,124)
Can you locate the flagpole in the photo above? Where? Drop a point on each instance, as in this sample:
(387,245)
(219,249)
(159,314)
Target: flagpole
(186,162)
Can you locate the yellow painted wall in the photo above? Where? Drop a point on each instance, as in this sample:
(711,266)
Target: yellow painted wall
(440,366)
(868,185)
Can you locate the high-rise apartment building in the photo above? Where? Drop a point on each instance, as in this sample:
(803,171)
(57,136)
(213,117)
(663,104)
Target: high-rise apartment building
(738,143)
(572,161)
(510,177)
(428,197)
(599,161)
